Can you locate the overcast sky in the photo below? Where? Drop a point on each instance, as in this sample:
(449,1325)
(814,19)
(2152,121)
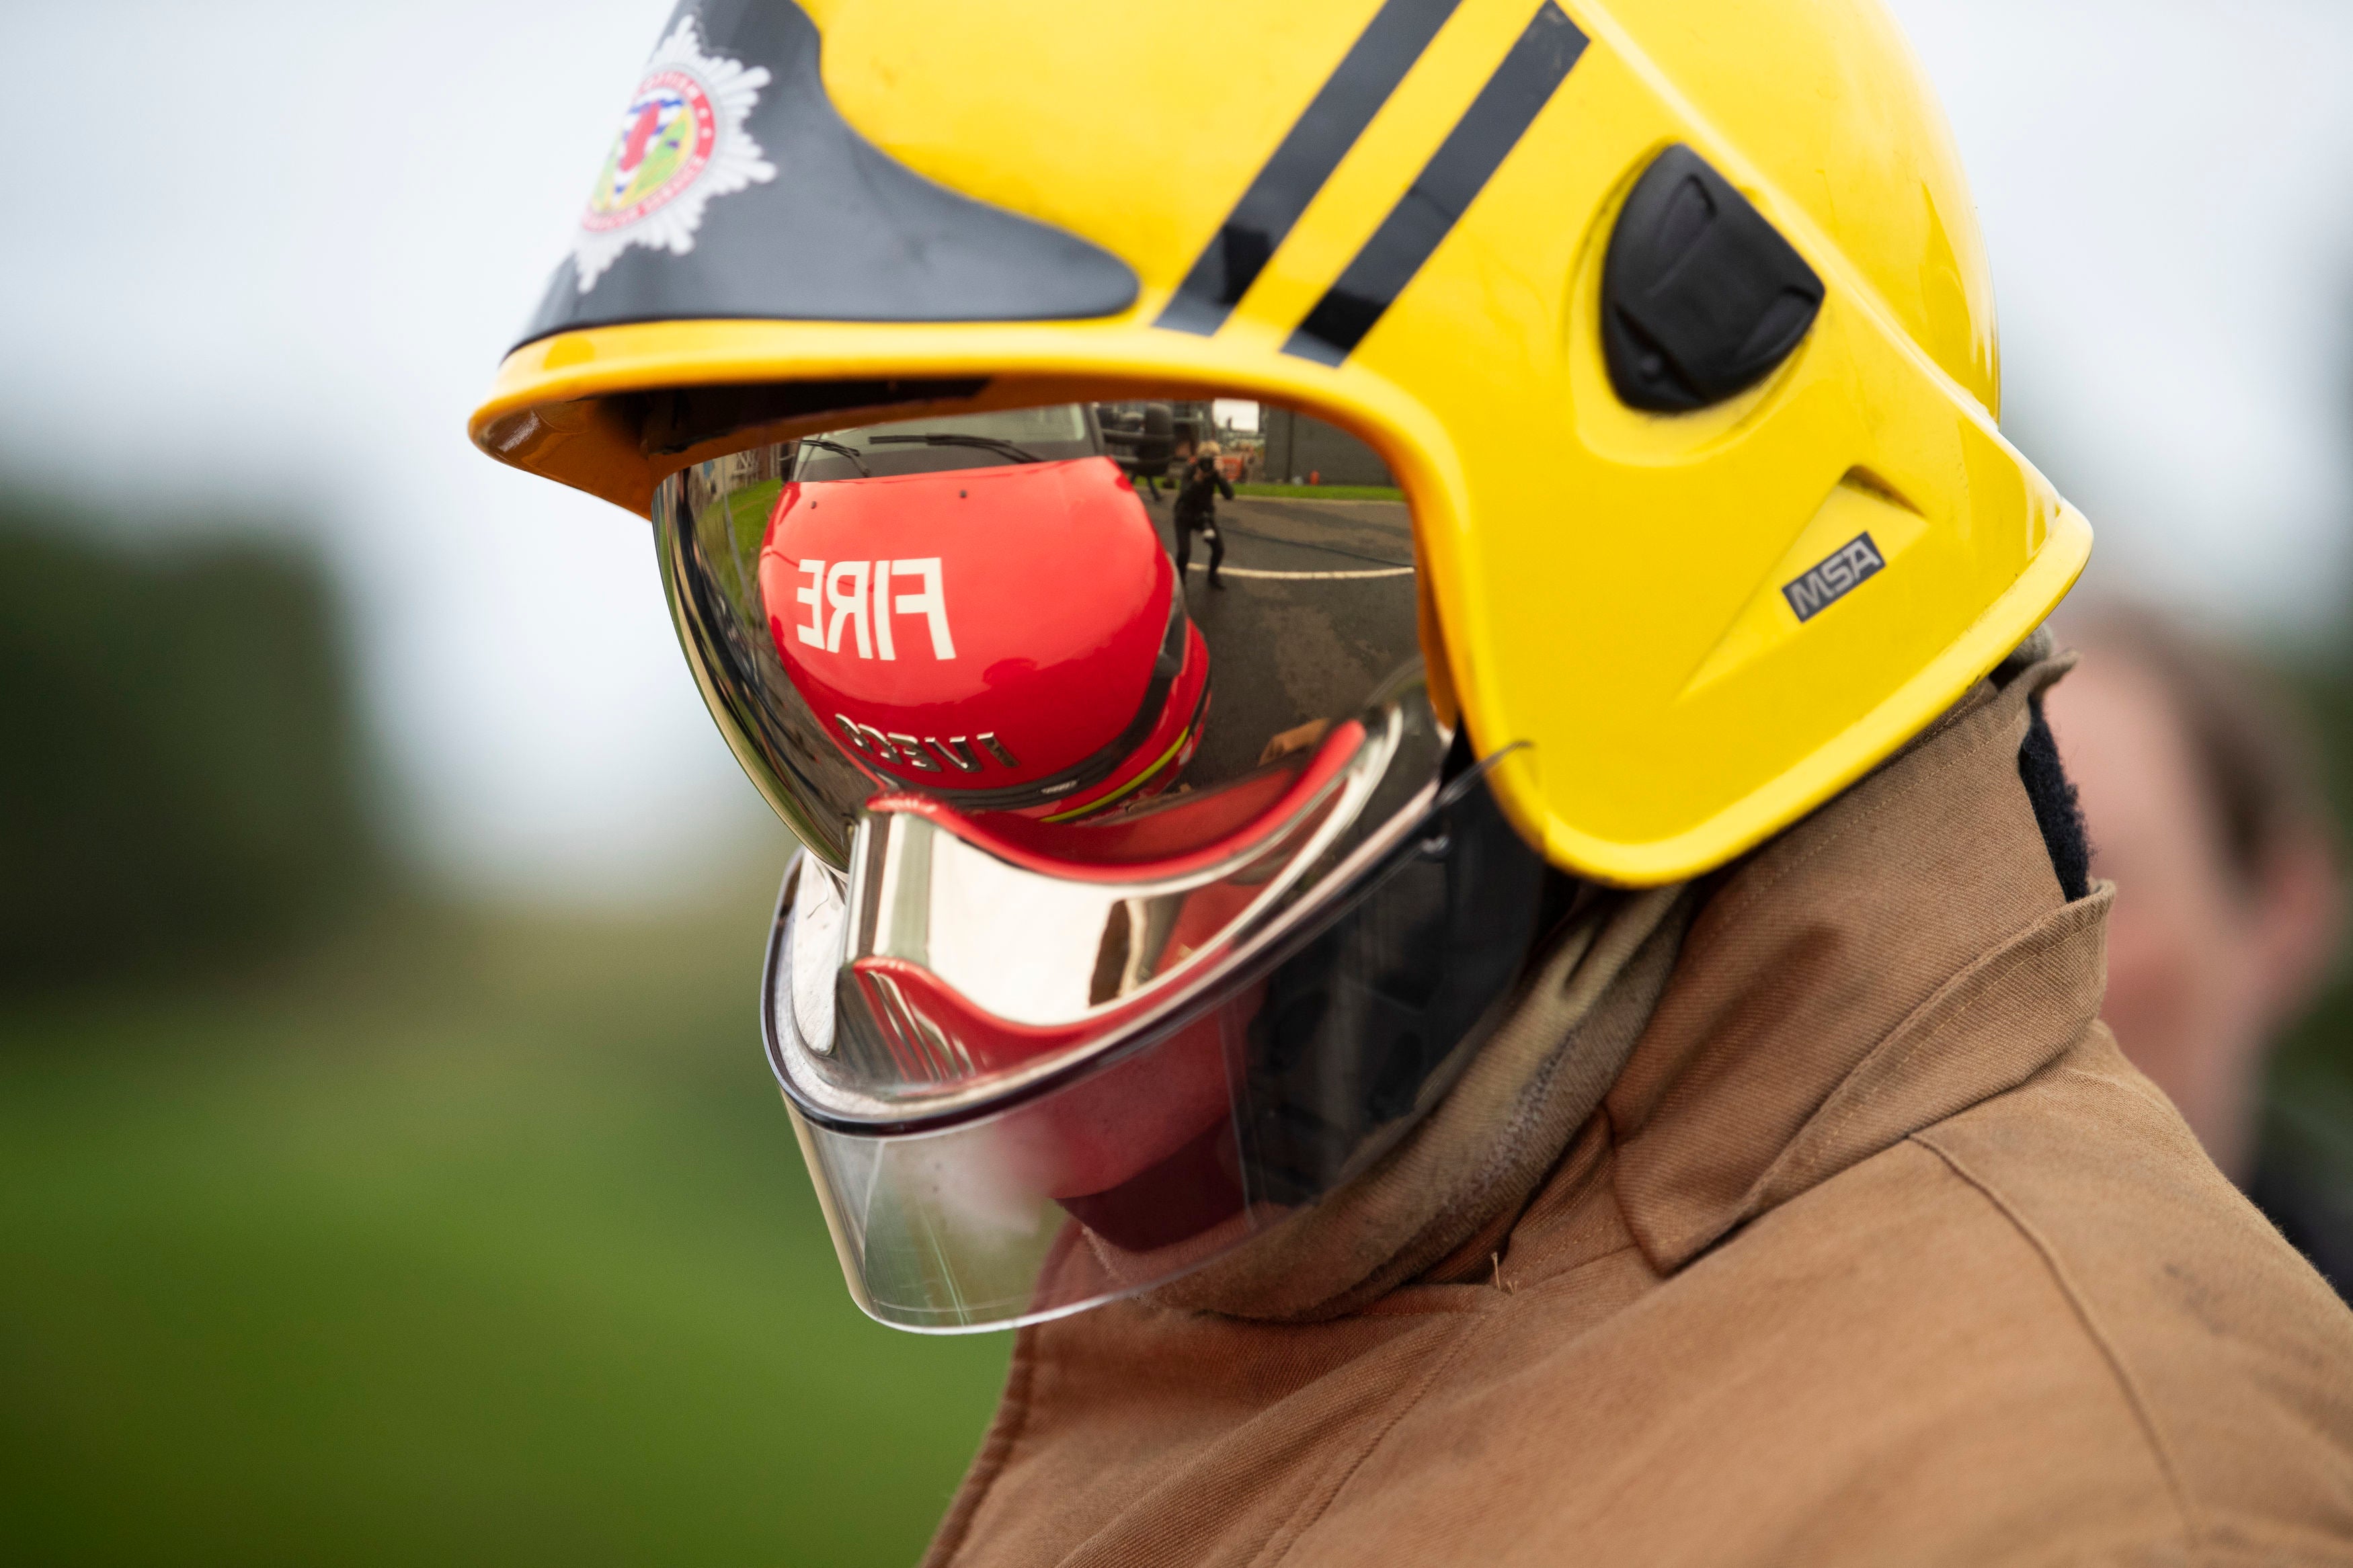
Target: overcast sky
(275,249)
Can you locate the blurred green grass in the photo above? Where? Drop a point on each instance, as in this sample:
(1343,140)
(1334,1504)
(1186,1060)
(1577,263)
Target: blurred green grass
(1321,492)
(477,1237)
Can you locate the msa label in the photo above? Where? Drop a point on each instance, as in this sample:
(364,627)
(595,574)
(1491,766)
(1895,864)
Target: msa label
(1833,579)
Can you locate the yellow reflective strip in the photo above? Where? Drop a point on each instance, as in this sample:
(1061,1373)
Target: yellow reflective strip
(1156,767)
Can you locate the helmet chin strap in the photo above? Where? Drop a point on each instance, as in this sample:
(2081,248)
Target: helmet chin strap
(1478,1155)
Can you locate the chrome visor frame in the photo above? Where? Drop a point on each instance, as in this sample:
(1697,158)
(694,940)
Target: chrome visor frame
(968,1220)
(1290,878)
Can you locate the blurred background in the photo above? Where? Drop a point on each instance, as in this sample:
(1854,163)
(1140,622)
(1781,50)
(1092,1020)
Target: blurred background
(387,1166)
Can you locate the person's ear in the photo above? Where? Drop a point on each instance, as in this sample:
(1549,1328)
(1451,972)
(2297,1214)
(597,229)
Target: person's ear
(2299,925)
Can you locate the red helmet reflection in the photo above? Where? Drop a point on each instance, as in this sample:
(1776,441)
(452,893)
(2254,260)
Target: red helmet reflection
(1007,639)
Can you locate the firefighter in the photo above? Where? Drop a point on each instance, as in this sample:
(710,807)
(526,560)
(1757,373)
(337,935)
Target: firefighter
(1627,1084)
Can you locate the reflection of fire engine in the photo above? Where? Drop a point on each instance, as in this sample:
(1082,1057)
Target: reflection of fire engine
(1007,637)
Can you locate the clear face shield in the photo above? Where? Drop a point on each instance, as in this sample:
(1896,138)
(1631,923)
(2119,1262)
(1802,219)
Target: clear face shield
(1148,896)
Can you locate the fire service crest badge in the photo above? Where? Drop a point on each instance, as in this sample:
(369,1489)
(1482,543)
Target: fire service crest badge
(681,143)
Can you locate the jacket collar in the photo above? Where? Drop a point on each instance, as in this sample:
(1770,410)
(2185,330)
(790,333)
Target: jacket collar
(1901,954)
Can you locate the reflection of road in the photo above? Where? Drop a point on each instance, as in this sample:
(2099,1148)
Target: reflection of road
(1316,609)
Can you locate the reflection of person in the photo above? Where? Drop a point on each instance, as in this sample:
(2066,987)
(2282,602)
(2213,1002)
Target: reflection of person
(1196,509)
(2205,808)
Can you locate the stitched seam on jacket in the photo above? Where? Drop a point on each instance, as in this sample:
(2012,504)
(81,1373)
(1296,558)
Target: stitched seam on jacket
(1537,1284)
(1973,981)
(1801,1160)
(2126,1383)
(1405,1407)
(2145,1089)
(990,1463)
(1480,1296)
(1965,994)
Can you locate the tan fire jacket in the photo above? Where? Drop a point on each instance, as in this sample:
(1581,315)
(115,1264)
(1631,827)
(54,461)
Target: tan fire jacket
(1876,1252)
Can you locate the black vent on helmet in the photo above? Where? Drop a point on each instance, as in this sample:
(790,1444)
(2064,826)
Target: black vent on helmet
(1700,296)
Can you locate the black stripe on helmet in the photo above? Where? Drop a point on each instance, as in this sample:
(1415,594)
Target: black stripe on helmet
(1364,80)
(1522,84)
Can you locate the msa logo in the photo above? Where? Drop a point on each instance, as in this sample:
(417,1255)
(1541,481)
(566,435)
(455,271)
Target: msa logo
(841,593)
(908,750)
(1833,580)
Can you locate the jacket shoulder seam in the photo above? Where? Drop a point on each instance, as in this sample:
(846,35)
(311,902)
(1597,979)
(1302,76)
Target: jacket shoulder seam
(2144,1414)
(2144,1090)
(1951,1006)
(1429,1379)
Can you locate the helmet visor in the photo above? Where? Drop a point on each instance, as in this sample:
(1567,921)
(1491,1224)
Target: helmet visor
(1032,611)
(1147,894)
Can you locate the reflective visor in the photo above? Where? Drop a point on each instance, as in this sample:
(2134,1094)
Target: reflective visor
(1147,896)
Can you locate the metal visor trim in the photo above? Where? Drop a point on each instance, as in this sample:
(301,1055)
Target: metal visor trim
(925,1037)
